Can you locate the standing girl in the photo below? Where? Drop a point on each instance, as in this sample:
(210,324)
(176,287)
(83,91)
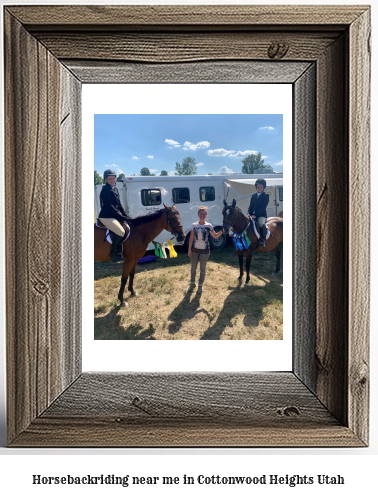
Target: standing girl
(199,247)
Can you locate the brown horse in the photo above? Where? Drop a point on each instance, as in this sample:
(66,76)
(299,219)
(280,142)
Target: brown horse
(234,218)
(143,230)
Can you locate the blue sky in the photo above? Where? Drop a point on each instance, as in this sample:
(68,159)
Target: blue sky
(127,143)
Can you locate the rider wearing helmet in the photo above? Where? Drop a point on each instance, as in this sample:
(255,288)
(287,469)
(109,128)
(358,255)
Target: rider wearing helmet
(112,213)
(257,208)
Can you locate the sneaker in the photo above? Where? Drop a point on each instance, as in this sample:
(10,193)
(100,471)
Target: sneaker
(199,291)
(191,287)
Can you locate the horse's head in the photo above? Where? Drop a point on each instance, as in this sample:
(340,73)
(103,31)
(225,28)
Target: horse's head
(174,223)
(229,213)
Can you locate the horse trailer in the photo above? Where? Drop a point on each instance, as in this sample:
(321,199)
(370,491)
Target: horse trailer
(143,194)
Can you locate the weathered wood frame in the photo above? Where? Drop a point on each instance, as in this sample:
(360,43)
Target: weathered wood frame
(49,53)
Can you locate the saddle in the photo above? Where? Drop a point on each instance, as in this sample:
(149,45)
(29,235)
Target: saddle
(110,235)
(257,231)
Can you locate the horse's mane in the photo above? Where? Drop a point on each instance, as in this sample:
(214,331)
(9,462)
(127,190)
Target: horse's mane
(143,219)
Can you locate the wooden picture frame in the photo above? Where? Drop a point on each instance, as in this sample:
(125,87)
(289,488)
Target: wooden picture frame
(323,51)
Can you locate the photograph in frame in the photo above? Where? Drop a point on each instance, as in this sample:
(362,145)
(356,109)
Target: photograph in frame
(199,202)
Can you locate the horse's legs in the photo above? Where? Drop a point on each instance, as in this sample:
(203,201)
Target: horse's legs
(241,265)
(248,258)
(278,257)
(127,267)
(131,280)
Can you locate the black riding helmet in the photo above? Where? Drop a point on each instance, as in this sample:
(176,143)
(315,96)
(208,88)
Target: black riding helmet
(260,181)
(109,172)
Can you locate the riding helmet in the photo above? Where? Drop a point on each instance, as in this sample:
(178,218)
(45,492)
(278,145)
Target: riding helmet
(109,172)
(260,181)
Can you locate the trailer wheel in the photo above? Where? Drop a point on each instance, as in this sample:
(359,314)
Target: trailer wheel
(216,244)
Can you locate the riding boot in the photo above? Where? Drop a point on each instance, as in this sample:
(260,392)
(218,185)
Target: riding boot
(261,242)
(116,255)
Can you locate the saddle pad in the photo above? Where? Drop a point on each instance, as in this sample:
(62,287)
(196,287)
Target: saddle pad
(257,233)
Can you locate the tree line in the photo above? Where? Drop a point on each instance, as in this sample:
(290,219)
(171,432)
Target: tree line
(188,166)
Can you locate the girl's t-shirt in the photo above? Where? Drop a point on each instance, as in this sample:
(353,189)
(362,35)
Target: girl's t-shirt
(201,236)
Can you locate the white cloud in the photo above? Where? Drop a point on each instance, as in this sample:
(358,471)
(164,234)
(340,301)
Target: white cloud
(149,157)
(171,142)
(219,152)
(264,157)
(153,170)
(112,165)
(199,145)
(199,164)
(135,158)
(225,171)
(266,128)
(243,154)
(172,172)
(279,163)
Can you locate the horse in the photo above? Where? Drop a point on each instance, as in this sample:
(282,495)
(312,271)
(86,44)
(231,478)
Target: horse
(234,218)
(143,230)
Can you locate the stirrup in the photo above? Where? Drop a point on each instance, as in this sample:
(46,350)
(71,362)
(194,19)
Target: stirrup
(116,257)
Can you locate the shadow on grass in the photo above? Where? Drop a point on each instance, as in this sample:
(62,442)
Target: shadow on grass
(184,311)
(233,306)
(109,328)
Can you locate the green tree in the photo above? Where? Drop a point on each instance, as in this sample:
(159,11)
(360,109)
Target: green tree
(97,178)
(252,163)
(145,171)
(188,167)
(163,172)
(120,177)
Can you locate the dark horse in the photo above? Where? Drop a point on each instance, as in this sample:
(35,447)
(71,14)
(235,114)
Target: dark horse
(143,230)
(234,218)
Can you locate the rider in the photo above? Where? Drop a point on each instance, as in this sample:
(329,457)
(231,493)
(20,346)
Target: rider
(257,208)
(112,213)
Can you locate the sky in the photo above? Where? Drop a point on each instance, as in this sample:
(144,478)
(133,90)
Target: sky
(127,143)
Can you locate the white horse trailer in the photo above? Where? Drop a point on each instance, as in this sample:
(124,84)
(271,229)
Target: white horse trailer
(143,194)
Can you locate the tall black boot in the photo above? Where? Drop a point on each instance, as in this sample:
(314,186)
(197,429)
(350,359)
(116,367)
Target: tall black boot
(261,242)
(116,255)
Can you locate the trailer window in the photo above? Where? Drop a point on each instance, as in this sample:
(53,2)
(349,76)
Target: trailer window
(207,193)
(180,195)
(151,197)
(281,194)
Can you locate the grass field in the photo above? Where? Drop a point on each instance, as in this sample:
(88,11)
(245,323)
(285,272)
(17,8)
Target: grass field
(163,310)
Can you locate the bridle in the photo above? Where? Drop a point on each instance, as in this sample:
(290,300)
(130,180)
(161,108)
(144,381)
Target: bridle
(230,224)
(170,218)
